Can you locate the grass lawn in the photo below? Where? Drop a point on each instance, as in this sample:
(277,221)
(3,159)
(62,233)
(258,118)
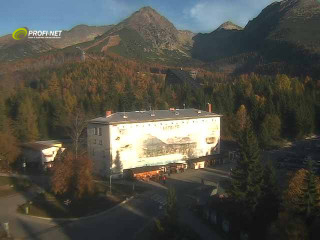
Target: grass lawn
(51,206)
(11,185)
(184,232)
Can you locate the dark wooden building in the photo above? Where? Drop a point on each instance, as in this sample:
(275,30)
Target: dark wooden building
(181,77)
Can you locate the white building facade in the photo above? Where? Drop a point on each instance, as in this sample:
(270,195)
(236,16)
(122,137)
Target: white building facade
(151,138)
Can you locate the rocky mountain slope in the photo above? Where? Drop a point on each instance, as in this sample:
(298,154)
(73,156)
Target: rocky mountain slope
(285,34)
(144,35)
(284,37)
(11,49)
(78,34)
(223,42)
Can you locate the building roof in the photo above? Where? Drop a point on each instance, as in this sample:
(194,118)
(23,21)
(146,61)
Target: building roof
(35,146)
(40,145)
(153,116)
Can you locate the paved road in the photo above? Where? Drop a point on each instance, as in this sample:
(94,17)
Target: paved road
(122,222)
(119,223)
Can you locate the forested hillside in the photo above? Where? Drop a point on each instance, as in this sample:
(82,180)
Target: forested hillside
(37,106)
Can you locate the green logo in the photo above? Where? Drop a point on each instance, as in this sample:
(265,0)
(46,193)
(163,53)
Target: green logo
(19,33)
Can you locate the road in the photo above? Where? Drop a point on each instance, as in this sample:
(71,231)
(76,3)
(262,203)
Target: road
(122,222)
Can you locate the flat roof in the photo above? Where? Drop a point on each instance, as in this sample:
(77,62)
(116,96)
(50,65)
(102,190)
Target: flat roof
(153,115)
(35,146)
(40,145)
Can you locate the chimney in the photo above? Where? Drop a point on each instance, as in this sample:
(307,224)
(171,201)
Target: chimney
(108,113)
(209,107)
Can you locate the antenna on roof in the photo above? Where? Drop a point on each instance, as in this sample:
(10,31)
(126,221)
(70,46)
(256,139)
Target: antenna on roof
(124,113)
(184,106)
(152,113)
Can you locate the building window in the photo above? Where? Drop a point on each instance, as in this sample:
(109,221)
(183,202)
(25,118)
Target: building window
(94,141)
(100,142)
(99,132)
(95,131)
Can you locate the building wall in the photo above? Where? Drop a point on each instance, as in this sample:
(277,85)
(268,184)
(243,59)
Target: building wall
(156,143)
(99,147)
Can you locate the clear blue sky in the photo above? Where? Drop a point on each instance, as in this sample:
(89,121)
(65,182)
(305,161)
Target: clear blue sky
(194,15)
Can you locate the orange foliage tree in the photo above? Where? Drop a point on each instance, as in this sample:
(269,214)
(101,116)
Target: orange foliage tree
(296,190)
(72,175)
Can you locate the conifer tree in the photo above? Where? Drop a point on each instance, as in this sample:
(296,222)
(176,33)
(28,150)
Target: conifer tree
(172,210)
(310,198)
(268,206)
(27,121)
(247,176)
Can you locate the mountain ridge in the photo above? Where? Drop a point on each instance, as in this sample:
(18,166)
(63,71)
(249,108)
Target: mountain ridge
(283,33)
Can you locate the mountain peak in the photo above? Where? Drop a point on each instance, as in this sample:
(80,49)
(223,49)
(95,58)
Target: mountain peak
(152,26)
(147,13)
(229,26)
(146,9)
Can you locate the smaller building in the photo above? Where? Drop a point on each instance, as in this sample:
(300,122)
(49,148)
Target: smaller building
(180,77)
(41,154)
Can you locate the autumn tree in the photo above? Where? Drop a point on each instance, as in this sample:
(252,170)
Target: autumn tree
(270,129)
(240,122)
(303,193)
(72,175)
(9,150)
(283,83)
(310,199)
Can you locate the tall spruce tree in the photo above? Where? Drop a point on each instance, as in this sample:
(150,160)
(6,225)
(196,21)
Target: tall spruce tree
(247,176)
(172,210)
(27,121)
(268,206)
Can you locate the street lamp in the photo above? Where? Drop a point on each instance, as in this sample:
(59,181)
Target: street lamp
(24,165)
(110,183)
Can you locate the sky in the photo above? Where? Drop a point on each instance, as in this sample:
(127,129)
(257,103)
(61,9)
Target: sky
(194,15)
